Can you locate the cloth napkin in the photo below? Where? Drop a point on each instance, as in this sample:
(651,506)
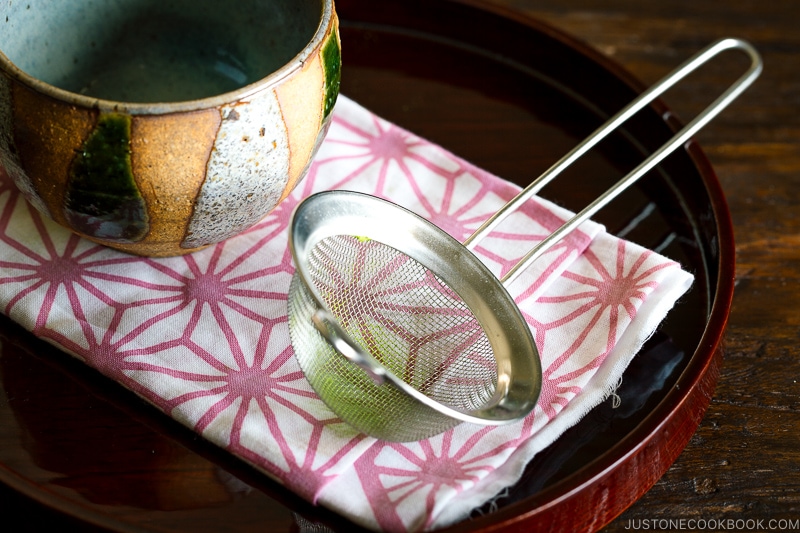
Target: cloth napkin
(204,337)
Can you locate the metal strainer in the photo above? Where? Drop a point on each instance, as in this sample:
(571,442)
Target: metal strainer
(401,330)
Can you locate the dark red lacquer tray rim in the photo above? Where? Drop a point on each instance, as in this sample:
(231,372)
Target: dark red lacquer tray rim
(610,483)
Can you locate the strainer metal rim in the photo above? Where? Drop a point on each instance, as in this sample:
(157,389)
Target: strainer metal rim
(340,212)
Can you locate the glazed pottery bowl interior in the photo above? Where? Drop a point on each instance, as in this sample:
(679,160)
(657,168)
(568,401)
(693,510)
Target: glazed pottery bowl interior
(155,50)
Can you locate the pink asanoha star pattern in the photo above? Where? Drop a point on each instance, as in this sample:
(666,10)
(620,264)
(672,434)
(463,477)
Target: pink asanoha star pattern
(205,337)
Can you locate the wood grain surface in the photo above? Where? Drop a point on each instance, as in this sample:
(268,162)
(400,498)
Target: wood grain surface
(744,461)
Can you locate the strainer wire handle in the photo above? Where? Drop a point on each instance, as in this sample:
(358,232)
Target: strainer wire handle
(613,123)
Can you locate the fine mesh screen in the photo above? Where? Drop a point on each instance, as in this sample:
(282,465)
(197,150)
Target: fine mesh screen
(407,318)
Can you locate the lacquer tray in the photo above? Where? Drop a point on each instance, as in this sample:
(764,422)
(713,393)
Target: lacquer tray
(510,94)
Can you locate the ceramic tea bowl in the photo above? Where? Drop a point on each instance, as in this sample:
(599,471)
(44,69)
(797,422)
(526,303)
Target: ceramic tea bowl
(159,127)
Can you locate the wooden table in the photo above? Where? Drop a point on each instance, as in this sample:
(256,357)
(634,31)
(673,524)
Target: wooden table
(743,463)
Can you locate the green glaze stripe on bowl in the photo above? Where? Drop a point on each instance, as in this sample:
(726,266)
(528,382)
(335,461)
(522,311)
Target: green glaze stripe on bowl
(102,198)
(332,62)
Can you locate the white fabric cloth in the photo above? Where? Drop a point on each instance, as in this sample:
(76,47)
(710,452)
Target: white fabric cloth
(205,338)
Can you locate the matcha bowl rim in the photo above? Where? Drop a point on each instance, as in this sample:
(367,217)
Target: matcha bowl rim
(274,78)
